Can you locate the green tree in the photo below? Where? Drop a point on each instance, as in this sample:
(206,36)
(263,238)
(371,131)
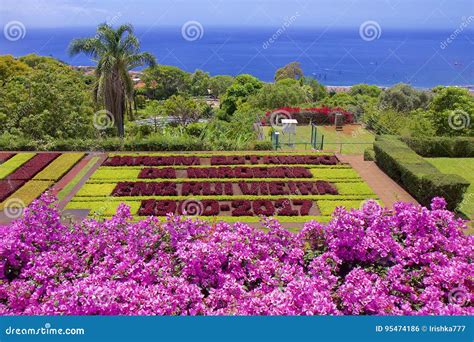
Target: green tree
(238,93)
(452,111)
(163,81)
(10,66)
(283,93)
(219,84)
(183,109)
(365,89)
(291,70)
(318,91)
(404,98)
(200,83)
(115,52)
(52,101)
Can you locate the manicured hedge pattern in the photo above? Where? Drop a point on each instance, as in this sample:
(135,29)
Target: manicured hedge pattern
(221,160)
(28,175)
(5,156)
(263,207)
(277,160)
(228,185)
(14,163)
(33,166)
(59,167)
(223,188)
(435,147)
(421,179)
(249,172)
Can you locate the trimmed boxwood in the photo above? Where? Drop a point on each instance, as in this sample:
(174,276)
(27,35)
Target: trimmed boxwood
(421,179)
(453,147)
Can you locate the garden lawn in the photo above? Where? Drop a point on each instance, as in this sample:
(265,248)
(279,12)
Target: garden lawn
(352,140)
(465,168)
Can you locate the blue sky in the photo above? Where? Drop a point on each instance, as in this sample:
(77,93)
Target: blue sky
(443,14)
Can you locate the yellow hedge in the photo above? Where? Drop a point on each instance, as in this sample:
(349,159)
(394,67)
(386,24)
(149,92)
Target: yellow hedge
(28,193)
(59,167)
(14,163)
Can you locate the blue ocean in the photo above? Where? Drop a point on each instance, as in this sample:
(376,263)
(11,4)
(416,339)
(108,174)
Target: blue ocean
(335,57)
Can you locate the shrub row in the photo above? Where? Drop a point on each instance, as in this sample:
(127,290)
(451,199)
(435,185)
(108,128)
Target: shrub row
(453,147)
(14,163)
(29,192)
(5,156)
(421,179)
(33,166)
(151,161)
(237,208)
(130,189)
(249,172)
(276,160)
(59,167)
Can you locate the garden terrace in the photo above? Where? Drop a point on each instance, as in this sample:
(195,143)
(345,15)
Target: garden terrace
(228,186)
(25,176)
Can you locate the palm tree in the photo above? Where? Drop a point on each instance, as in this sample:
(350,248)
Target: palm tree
(115,52)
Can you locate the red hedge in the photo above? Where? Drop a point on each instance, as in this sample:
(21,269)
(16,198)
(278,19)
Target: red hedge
(278,160)
(5,156)
(249,172)
(223,188)
(8,187)
(151,161)
(33,166)
(281,207)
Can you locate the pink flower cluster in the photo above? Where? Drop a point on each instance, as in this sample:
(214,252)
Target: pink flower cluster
(409,261)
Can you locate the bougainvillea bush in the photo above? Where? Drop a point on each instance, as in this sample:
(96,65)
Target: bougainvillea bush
(408,261)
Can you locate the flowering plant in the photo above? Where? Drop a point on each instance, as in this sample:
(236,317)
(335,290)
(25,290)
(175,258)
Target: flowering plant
(408,261)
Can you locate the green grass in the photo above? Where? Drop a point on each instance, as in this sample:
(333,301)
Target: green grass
(340,142)
(463,167)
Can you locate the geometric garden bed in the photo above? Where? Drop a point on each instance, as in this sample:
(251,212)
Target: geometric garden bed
(235,186)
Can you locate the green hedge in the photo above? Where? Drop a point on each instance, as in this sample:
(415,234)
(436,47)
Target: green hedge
(421,179)
(453,147)
(369,154)
(115,144)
